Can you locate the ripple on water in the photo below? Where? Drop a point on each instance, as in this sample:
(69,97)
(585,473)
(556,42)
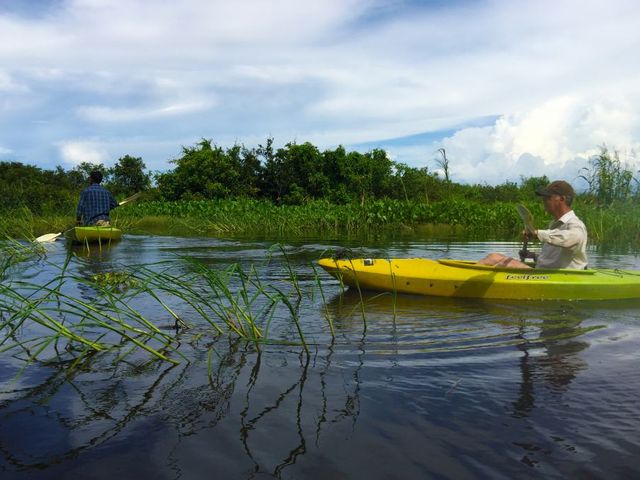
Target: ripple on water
(448,388)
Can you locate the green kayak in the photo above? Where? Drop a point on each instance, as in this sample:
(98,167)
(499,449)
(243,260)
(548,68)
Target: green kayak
(94,234)
(459,278)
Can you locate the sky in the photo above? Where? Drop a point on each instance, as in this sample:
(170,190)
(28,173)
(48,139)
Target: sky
(507,88)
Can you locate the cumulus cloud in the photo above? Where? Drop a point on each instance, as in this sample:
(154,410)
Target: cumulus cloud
(558,137)
(74,152)
(559,76)
(95,32)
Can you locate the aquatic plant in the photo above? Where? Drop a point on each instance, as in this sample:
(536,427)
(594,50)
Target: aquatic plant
(456,217)
(459,217)
(247,216)
(609,178)
(115,280)
(47,320)
(13,252)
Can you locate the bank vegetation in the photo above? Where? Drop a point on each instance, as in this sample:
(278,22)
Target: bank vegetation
(299,189)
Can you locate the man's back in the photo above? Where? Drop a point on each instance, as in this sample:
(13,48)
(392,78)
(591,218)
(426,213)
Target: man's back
(95,204)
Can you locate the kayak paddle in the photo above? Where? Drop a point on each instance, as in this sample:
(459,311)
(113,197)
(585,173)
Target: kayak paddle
(527,218)
(133,197)
(47,237)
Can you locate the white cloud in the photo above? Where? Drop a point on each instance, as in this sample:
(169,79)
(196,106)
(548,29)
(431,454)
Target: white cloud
(9,85)
(75,152)
(101,34)
(559,136)
(110,114)
(561,76)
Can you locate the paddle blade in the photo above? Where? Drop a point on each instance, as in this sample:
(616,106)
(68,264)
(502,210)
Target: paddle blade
(48,237)
(133,197)
(527,218)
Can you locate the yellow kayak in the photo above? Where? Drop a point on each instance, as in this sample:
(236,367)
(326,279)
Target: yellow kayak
(460,278)
(94,234)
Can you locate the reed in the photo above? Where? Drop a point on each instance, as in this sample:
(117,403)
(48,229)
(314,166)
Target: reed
(615,225)
(215,305)
(96,327)
(456,216)
(294,315)
(46,321)
(327,314)
(14,252)
(293,277)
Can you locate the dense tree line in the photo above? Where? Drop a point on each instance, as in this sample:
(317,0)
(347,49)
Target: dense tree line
(299,172)
(57,191)
(290,175)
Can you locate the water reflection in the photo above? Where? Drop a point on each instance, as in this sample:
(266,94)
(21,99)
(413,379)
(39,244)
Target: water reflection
(559,363)
(545,339)
(89,263)
(81,407)
(436,387)
(250,423)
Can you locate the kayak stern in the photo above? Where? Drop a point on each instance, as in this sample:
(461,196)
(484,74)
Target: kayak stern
(94,234)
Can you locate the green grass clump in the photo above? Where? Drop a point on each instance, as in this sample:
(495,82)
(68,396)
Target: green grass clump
(115,280)
(319,216)
(41,322)
(617,224)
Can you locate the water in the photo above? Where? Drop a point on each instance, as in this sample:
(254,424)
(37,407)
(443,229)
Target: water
(413,388)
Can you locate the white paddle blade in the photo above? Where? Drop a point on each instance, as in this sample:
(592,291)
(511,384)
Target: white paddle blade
(48,237)
(527,218)
(131,198)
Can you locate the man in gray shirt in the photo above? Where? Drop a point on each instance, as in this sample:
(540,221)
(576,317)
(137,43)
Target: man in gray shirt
(564,243)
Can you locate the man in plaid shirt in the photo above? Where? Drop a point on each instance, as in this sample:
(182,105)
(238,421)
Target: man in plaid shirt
(95,203)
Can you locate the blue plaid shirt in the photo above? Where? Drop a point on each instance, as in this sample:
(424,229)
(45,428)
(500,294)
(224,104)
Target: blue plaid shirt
(95,204)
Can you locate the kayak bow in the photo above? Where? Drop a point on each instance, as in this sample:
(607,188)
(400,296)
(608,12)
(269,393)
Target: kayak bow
(460,278)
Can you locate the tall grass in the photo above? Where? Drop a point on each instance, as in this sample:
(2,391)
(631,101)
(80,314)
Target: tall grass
(46,321)
(14,252)
(228,217)
(617,223)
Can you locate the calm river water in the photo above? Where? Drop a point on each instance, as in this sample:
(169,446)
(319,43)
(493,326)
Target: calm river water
(412,389)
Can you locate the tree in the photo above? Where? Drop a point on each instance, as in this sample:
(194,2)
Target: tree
(205,171)
(444,164)
(247,164)
(294,173)
(38,190)
(529,185)
(84,169)
(128,176)
(417,183)
(368,175)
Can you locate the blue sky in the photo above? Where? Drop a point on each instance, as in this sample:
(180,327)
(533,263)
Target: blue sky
(508,88)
